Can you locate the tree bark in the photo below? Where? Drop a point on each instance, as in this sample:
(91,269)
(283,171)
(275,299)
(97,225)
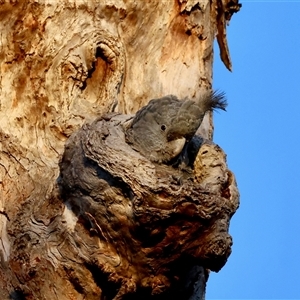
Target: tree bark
(84,216)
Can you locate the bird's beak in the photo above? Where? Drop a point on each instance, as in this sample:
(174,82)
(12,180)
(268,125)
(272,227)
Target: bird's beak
(176,146)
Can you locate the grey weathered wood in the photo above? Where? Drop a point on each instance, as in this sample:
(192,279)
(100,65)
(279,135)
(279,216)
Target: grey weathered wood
(150,219)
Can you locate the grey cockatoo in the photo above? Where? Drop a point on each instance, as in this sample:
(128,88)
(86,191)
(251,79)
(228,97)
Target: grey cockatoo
(160,129)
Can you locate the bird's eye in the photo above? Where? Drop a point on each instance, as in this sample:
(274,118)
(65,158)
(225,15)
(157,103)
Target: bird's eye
(163,127)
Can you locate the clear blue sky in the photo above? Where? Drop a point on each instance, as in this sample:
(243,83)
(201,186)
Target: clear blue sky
(260,134)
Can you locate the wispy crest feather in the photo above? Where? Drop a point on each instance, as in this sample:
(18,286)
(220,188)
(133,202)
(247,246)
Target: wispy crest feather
(213,100)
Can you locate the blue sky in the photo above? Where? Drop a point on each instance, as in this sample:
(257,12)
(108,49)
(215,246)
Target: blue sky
(260,134)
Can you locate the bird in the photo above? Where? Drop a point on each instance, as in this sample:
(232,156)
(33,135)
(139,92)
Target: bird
(160,130)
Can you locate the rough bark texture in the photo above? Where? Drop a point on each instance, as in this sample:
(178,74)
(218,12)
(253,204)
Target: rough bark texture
(112,225)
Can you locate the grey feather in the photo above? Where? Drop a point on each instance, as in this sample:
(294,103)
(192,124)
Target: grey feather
(160,129)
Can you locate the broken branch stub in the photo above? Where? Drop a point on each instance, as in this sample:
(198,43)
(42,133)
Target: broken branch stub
(150,222)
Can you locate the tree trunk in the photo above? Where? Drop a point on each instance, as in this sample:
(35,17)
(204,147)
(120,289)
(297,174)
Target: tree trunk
(77,220)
